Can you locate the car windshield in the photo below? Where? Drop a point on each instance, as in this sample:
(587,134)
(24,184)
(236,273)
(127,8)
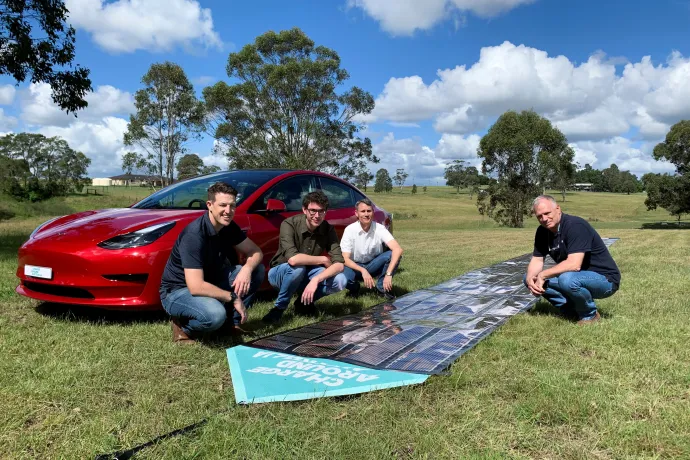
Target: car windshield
(192,193)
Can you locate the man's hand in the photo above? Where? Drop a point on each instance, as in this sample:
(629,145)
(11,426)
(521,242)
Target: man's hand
(368,280)
(241,309)
(387,283)
(326,262)
(535,286)
(242,281)
(308,294)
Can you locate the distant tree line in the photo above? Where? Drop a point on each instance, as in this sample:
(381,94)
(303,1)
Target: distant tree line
(36,167)
(610,179)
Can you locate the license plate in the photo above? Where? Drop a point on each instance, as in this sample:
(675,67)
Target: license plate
(38,272)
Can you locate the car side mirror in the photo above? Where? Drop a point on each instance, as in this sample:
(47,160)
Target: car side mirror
(274,205)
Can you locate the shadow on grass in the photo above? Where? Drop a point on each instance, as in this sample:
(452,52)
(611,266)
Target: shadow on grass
(10,243)
(544,308)
(665,226)
(77,313)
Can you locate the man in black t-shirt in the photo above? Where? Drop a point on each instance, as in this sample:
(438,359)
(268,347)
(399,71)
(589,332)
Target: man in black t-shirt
(202,275)
(584,268)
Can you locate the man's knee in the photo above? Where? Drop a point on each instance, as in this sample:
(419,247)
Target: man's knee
(568,281)
(258,276)
(339,282)
(211,313)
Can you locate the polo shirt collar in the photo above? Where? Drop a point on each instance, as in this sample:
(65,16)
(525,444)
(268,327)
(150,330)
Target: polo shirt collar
(208,226)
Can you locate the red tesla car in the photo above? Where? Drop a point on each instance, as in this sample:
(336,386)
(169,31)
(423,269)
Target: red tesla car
(114,258)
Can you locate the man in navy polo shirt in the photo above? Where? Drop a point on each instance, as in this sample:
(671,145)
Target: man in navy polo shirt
(584,268)
(203,276)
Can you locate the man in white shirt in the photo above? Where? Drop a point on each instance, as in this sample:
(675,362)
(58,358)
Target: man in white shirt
(362,246)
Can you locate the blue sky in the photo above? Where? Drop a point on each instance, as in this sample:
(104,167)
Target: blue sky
(612,75)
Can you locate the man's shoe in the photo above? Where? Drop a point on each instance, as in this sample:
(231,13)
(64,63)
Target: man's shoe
(595,319)
(273,316)
(353,291)
(178,335)
(304,309)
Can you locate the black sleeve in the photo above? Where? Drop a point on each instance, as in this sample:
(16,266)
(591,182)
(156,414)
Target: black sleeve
(191,250)
(236,235)
(541,243)
(578,238)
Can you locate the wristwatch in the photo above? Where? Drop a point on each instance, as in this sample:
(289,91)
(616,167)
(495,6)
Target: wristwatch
(389,274)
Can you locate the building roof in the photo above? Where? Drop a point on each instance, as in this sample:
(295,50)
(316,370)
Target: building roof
(134,177)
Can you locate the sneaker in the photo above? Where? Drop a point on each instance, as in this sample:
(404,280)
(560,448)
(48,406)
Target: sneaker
(304,309)
(273,316)
(595,319)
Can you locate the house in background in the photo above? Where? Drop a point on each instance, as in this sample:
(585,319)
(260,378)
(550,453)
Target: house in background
(136,180)
(583,186)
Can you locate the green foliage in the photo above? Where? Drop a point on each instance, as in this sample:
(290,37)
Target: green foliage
(362,178)
(133,162)
(424,189)
(525,152)
(189,165)
(455,175)
(36,167)
(383,183)
(38,44)
(414,189)
(669,192)
(676,147)
(167,115)
(284,111)
(400,177)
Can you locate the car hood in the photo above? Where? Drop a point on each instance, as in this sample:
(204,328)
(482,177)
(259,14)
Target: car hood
(96,226)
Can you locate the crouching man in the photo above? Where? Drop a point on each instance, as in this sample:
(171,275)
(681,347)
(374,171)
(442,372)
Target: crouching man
(363,250)
(299,266)
(584,268)
(202,277)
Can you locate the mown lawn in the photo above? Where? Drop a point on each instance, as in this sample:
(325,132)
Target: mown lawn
(74,384)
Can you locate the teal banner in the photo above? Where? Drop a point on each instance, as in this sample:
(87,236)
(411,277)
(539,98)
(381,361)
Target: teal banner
(260,376)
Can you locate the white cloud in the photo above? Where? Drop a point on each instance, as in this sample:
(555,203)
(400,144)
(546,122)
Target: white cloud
(39,109)
(100,141)
(404,17)
(204,80)
(7,123)
(424,164)
(587,101)
(215,160)
(7,93)
(156,25)
(623,152)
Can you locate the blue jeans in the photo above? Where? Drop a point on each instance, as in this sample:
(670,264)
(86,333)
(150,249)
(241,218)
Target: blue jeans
(288,280)
(206,314)
(378,266)
(578,290)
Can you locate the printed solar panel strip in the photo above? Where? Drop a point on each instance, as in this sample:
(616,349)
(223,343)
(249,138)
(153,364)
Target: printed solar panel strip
(423,331)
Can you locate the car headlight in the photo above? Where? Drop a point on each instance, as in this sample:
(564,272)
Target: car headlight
(139,238)
(43,225)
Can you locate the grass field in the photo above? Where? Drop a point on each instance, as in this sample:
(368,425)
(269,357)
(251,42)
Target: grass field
(74,384)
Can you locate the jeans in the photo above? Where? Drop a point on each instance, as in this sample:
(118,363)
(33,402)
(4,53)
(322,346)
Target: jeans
(288,280)
(578,290)
(378,266)
(206,314)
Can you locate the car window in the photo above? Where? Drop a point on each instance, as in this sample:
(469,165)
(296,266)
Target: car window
(290,191)
(193,193)
(339,195)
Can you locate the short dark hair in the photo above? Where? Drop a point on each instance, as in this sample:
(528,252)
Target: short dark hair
(366,201)
(220,187)
(317,197)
